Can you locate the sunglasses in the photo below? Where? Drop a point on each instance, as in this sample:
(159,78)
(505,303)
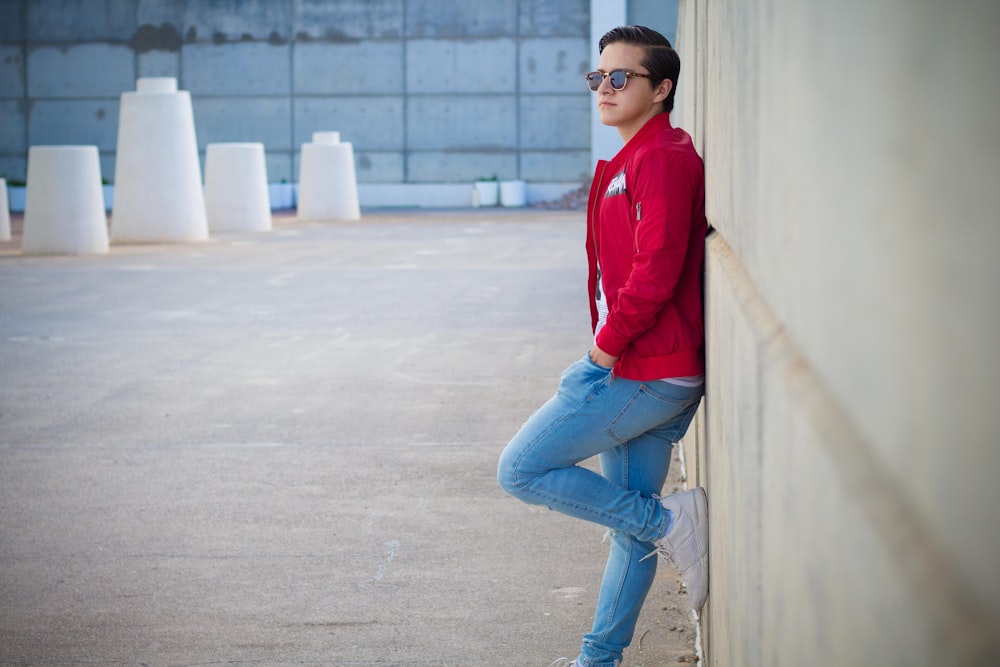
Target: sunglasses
(619,78)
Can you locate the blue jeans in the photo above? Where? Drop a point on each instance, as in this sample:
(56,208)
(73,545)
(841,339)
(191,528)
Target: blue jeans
(632,426)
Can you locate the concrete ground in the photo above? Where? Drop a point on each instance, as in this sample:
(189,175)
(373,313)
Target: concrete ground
(280,448)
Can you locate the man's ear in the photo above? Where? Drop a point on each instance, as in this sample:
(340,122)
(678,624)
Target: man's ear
(663,90)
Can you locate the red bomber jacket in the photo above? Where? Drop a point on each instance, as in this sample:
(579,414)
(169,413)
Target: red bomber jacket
(646,233)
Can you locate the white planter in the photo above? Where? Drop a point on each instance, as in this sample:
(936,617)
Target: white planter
(485,193)
(328,186)
(512,193)
(236,189)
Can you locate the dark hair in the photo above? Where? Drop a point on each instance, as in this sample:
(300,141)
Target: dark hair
(660,58)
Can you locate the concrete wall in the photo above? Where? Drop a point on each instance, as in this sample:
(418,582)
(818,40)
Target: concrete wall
(850,441)
(426,90)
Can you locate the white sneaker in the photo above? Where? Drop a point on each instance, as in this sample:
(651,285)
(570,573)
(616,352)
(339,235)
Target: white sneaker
(686,545)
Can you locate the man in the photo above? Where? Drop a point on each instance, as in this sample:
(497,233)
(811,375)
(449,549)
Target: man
(635,392)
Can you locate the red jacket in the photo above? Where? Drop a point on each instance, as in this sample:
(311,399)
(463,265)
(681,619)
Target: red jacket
(646,223)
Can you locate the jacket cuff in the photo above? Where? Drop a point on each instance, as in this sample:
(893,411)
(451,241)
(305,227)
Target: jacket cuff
(610,343)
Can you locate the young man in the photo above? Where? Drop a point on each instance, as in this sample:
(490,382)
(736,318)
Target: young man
(634,394)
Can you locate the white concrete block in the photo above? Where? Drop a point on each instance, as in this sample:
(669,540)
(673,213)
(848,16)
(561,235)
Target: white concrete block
(236,188)
(328,186)
(326,137)
(156,84)
(158,193)
(4,212)
(64,211)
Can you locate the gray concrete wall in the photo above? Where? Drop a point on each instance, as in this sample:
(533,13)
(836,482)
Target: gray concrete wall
(849,443)
(426,90)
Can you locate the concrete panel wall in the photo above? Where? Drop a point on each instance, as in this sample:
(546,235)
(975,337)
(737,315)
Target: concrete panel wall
(84,70)
(476,66)
(12,71)
(849,441)
(251,68)
(427,91)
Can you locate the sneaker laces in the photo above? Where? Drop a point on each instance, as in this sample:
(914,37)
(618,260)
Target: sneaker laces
(659,550)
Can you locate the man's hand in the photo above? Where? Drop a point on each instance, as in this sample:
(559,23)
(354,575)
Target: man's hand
(602,358)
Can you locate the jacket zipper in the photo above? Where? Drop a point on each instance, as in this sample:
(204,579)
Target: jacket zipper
(638,219)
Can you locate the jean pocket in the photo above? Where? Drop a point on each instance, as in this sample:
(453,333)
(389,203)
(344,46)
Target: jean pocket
(594,365)
(583,380)
(674,394)
(647,410)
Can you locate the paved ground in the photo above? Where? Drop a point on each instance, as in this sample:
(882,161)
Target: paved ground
(280,448)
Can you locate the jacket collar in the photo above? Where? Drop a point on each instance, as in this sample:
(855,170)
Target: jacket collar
(658,123)
(608,168)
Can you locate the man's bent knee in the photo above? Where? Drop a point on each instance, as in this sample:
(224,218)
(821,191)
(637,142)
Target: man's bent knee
(512,476)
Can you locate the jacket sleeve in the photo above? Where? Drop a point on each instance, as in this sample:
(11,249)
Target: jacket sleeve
(662,202)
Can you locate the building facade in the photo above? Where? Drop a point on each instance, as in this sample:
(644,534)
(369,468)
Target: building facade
(427,91)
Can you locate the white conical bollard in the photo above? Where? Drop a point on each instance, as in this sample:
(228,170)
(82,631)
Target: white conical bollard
(158,194)
(156,84)
(326,137)
(64,205)
(328,187)
(4,212)
(236,190)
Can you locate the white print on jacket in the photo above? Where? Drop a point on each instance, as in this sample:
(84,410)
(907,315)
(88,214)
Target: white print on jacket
(617,185)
